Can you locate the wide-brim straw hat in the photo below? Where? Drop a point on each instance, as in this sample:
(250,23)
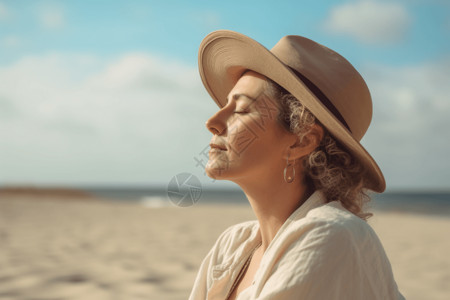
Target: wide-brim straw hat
(321,79)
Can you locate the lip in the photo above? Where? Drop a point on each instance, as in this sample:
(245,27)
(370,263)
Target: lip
(218,147)
(216,151)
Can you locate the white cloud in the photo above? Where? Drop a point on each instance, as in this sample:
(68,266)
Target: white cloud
(52,17)
(4,13)
(206,19)
(140,119)
(370,21)
(11,41)
(73,118)
(447,22)
(409,135)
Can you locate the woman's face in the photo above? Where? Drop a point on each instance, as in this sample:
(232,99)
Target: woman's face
(248,141)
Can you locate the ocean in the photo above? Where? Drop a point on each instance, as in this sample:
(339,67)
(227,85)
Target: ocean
(433,203)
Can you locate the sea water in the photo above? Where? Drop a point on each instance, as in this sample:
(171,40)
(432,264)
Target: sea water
(429,202)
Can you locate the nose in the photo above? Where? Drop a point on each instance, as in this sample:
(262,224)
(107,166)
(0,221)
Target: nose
(217,124)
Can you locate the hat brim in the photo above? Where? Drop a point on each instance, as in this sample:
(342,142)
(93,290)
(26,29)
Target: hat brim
(223,57)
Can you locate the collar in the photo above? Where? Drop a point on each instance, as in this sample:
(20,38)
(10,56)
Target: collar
(315,200)
(225,274)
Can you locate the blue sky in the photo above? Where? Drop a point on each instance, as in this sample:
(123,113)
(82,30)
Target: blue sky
(107,92)
(176,28)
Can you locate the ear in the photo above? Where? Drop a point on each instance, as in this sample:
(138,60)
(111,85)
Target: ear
(309,142)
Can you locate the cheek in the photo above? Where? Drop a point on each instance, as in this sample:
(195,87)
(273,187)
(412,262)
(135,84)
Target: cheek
(268,112)
(245,130)
(256,146)
(241,135)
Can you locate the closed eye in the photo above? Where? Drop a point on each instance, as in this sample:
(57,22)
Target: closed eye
(242,110)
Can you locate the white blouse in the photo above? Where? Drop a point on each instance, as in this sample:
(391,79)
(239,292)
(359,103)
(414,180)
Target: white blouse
(322,251)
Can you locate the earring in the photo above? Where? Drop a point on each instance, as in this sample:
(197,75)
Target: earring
(291,174)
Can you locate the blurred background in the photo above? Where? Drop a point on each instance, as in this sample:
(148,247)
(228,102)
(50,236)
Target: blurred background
(103,100)
(107,93)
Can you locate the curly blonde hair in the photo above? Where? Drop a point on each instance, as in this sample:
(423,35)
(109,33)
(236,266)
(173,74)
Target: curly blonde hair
(329,168)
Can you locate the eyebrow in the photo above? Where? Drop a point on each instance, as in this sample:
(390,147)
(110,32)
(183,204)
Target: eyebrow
(238,96)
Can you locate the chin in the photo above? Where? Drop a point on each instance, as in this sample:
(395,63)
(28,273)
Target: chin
(214,173)
(217,169)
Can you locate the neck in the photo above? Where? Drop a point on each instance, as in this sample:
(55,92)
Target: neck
(273,200)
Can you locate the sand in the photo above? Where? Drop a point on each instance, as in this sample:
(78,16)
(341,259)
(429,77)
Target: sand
(53,249)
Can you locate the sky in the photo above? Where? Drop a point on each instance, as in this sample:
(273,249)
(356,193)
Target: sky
(108,92)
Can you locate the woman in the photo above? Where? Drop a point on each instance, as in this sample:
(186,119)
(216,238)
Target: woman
(288,133)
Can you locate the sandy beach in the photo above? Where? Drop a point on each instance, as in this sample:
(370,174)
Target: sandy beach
(91,249)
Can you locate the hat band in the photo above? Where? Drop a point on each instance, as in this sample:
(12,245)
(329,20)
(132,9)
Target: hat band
(321,96)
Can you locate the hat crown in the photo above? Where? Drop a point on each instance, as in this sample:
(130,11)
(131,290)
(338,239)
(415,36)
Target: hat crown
(333,75)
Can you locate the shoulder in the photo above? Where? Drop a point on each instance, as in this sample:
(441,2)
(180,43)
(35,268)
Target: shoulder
(332,225)
(329,244)
(238,233)
(329,235)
